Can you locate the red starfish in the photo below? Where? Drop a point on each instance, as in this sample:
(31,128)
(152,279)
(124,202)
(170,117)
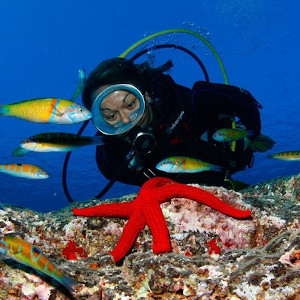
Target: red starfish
(145,210)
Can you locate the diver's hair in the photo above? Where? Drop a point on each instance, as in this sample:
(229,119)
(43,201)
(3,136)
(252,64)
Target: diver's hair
(119,70)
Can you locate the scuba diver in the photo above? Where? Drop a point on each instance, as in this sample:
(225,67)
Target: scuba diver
(144,117)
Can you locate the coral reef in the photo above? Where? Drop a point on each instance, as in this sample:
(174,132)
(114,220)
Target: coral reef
(213,256)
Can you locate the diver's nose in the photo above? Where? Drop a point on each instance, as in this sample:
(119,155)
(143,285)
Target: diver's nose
(125,118)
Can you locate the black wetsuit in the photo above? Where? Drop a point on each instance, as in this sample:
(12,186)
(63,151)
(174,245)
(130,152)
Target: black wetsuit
(183,123)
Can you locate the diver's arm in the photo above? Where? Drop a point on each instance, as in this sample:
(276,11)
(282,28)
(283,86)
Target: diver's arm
(211,100)
(113,165)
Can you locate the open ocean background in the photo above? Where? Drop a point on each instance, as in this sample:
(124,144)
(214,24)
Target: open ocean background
(45,43)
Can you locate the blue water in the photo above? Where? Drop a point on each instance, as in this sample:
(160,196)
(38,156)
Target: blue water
(44,43)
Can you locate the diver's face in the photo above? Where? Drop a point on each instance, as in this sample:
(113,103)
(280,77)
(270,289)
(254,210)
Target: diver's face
(119,107)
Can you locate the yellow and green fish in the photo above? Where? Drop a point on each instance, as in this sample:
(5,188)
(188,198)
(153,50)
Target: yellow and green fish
(25,253)
(288,155)
(181,164)
(24,170)
(47,110)
(56,142)
(231,134)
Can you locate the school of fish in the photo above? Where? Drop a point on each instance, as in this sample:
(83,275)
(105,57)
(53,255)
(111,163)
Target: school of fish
(62,111)
(44,110)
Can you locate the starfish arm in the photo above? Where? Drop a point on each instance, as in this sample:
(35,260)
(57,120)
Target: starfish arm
(179,190)
(158,227)
(121,210)
(156,182)
(130,232)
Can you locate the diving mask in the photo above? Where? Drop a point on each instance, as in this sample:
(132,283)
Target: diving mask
(117,128)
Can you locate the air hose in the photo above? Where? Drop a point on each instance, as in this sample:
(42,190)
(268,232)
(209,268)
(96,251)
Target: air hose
(138,54)
(190,32)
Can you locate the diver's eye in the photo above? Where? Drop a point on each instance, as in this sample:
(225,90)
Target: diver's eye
(131,104)
(110,117)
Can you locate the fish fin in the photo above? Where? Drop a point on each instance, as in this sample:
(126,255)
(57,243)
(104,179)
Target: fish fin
(236,185)
(97,140)
(274,156)
(68,282)
(217,168)
(2,206)
(56,111)
(20,152)
(262,143)
(80,85)
(3,110)
(246,143)
(204,136)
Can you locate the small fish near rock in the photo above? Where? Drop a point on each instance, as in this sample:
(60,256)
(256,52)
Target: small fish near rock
(23,252)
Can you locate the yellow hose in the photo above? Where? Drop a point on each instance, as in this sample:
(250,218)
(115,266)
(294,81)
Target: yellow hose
(157,34)
(205,41)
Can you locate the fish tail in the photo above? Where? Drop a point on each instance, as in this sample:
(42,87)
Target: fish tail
(4,168)
(2,206)
(276,156)
(4,110)
(97,140)
(80,85)
(217,168)
(68,282)
(20,152)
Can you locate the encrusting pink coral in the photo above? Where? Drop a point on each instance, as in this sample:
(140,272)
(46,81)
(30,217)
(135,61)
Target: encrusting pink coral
(145,210)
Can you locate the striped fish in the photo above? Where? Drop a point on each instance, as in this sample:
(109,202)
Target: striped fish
(231,134)
(56,142)
(24,170)
(47,110)
(24,253)
(288,155)
(181,164)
